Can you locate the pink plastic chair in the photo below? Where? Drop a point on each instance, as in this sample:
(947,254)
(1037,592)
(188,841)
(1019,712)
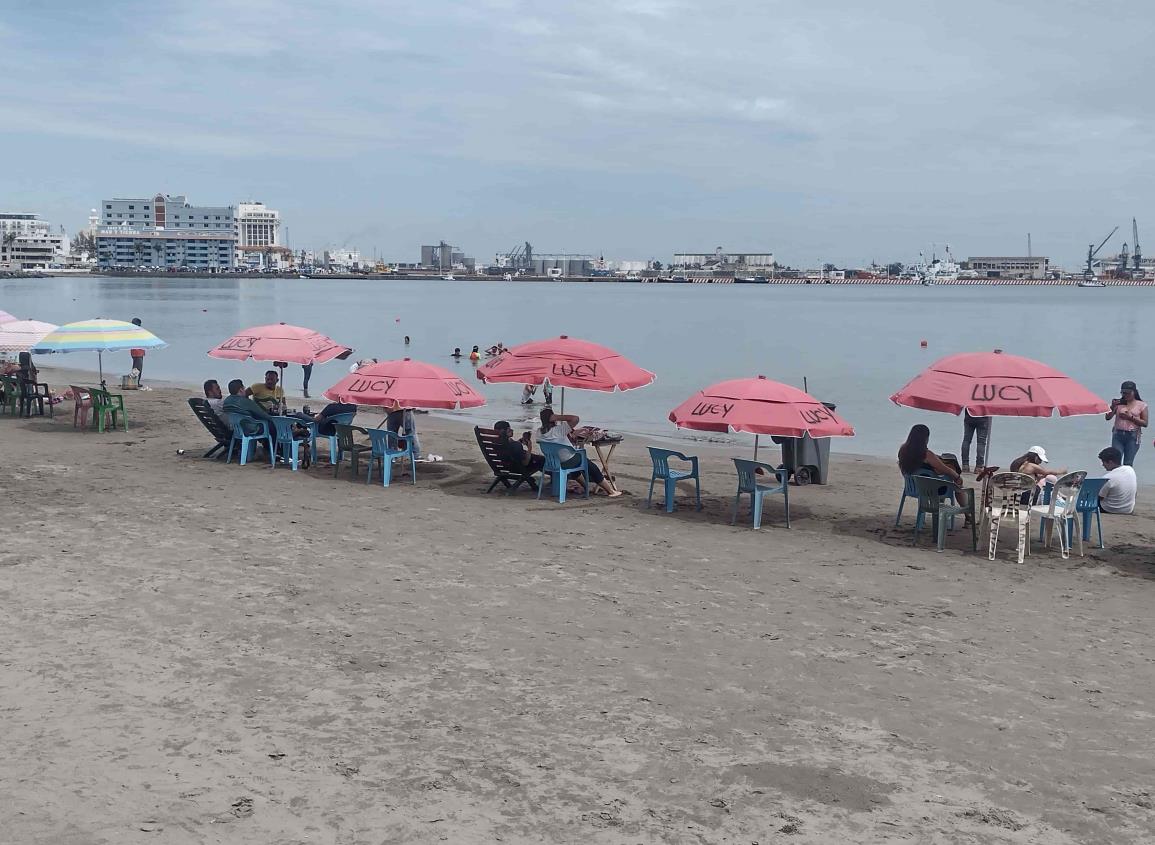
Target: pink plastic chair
(83,404)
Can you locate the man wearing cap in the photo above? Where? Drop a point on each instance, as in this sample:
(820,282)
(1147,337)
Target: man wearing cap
(1130,414)
(1032,464)
(1118,494)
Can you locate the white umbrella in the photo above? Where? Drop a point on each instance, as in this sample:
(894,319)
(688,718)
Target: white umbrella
(22,335)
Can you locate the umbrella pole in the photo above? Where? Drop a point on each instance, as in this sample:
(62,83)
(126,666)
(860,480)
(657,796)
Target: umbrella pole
(563,398)
(100,368)
(755,447)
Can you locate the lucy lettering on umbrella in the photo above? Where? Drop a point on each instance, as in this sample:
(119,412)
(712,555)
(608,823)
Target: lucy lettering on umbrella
(1006,392)
(712,409)
(581,371)
(240,343)
(813,416)
(458,388)
(376,385)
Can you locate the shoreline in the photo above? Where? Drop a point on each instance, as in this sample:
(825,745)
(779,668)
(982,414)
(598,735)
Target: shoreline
(738,445)
(705,280)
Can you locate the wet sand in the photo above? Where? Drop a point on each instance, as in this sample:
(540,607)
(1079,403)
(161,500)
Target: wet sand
(200,653)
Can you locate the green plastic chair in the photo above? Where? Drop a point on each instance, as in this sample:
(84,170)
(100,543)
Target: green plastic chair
(934,497)
(346,445)
(9,394)
(104,405)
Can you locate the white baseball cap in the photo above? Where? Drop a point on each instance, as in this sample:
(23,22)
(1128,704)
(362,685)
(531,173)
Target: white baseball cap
(1040,451)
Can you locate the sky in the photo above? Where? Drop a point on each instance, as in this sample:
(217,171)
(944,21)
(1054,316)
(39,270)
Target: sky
(821,131)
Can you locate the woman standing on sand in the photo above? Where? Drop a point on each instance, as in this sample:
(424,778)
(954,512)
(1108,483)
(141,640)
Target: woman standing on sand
(1130,414)
(915,457)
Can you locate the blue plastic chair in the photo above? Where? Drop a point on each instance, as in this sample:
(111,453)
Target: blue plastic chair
(241,436)
(910,491)
(385,446)
(553,466)
(339,419)
(670,477)
(1086,504)
(748,484)
(288,446)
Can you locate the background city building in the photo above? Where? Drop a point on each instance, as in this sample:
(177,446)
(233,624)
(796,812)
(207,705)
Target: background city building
(259,243)
(445,257)
(1009,267)
(166,232)
(23,223)
(719,260)
(28,243)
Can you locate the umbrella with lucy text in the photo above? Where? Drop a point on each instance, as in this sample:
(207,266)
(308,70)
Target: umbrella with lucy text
(281,344)
(405,384)
(994,384)
(566,362)
(759,406)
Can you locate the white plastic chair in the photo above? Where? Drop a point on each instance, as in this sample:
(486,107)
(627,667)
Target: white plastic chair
(1007,489)
(1061,510)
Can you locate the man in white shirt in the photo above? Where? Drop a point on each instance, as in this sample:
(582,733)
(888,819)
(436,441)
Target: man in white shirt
(1118,494)
(216,400)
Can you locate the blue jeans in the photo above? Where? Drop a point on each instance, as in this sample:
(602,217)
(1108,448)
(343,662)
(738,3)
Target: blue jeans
(1126,442)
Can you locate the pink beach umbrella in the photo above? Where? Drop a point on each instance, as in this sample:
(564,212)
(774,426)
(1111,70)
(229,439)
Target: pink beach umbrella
(759,406)
(994,384)
(405,384)
(5,317)
(566,362)
(280,342)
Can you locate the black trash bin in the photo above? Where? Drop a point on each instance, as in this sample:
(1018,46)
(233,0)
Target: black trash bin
(806,459)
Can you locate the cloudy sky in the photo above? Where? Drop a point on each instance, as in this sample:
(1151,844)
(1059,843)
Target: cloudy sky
(835,131)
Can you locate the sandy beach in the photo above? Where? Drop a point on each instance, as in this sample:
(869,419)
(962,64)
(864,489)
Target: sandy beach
(200,653)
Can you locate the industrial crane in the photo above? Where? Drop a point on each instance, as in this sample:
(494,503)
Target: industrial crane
(1092,251)
(1136,256)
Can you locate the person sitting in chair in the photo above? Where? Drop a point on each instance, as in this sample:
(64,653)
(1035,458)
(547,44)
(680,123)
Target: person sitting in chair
(267,393)
(517,454)
(1032,464)
(324,420)
(1118,494)
(916,458)
(558,428)
(240,407)
(215,399)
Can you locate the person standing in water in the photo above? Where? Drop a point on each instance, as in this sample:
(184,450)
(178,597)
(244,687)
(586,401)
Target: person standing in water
(137,356)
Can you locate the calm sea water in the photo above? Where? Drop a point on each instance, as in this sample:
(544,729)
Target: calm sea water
(853,345)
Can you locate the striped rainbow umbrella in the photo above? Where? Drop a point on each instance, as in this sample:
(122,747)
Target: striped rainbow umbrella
(22,335)
(98,336)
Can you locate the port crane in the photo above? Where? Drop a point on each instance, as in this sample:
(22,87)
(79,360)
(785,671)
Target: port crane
(1136,255)
(1092,251)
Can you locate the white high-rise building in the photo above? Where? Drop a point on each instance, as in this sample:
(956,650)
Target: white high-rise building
(259,235)
(258,225)
(23,223)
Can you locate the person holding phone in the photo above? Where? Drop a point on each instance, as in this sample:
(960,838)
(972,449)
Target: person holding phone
(1129,412)
(517,453)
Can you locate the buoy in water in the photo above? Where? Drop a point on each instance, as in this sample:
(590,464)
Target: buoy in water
(922,343)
